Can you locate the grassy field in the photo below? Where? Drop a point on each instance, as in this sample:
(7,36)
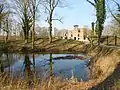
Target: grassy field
(41,45)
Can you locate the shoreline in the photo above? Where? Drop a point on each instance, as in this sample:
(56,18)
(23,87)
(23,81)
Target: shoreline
(42,45)
(103,62)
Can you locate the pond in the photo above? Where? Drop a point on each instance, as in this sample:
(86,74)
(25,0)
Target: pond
(45,65)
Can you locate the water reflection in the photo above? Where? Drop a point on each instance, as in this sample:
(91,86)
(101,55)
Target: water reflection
(29,68)
(27,63)
(5,61)
(1,67)
(7,55)
(44,66)
(51,65)
(33,57)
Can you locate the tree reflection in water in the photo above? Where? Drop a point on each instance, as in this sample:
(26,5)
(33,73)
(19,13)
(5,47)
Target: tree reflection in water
(50,65)
(8,59)
(27,69)
(1,64)
(50,71)
(1,67)
(5,62)
(33,57)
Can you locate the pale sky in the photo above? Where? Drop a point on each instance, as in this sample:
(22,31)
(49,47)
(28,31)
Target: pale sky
(78,12)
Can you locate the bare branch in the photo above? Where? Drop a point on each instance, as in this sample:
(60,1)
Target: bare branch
(91,3)
(46,8)
(95,1)
(55,5)
(112,13)
(60,20)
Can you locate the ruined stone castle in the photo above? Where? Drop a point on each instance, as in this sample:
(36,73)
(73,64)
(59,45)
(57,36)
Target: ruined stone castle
(77,33)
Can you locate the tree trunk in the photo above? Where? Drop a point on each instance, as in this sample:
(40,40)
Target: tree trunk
(25,36)
(50,29)
(7,30)
(100,28)
(6,40)
(50,36)
(33,30)
(99,38)
(26,39)
(33,35)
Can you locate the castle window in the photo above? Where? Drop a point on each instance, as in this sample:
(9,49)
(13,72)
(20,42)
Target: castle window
(74,38)
(78,38)
(78,30)
(84,37)
(78,35)
(71,35)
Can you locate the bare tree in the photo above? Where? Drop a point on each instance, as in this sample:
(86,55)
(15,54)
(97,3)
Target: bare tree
(5,20)
(115,26)
(117,15)
(25,16)
(3,12)
(50,6)
(34,16)
(34,8)
(6,28)
(27,10)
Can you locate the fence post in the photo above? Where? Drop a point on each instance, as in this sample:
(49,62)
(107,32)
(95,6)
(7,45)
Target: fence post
(115,40)
(107,40)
